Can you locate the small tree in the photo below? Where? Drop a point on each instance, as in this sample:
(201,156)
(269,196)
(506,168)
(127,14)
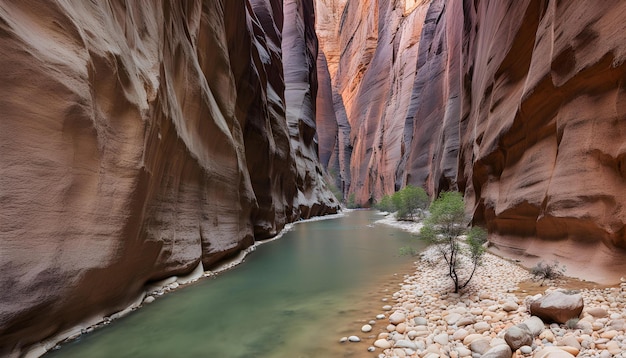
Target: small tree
(414,200)
(385,204)
(447,222)
(351,204)
(407,202)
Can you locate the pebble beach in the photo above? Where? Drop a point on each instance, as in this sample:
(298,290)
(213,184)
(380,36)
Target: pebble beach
(424,318)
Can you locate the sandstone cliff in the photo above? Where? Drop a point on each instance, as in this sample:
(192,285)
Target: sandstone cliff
(542,128)
(140,139)
(370,50)
(518,104)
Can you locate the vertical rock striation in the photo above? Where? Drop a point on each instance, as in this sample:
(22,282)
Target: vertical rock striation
(300,49)
(140,139)
(542,152)
(518,104)
(431,128)
(370,48)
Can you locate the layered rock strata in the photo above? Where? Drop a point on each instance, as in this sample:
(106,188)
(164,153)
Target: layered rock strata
(518,104)
(140,140)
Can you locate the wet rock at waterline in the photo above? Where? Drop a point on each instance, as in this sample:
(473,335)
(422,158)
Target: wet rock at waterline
(382,343)
(397,317)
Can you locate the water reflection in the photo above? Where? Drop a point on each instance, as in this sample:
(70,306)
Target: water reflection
(286,300)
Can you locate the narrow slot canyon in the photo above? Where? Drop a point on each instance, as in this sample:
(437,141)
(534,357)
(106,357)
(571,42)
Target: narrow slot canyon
(142,141)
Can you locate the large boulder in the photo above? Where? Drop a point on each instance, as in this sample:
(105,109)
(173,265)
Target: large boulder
(535,325)
(557,306)
(518,336)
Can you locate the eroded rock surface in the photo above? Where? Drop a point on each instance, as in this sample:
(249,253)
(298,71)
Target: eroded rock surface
(543,146)
(518,104)
(139,139)
(370,48)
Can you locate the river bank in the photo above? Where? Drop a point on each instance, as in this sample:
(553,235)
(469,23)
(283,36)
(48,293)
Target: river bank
(156,290)
(424,319)
(302,291)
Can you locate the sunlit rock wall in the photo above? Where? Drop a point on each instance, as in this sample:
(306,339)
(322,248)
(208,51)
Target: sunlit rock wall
(519,104)
(431,127)
(371,50)
(139,139)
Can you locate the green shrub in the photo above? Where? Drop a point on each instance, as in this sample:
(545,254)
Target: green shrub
(385,204)
(414,200)
(544,271)
(396,200)
(351,204)
(409,203)
(443,228)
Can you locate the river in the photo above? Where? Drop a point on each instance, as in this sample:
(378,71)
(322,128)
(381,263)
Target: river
(293,297)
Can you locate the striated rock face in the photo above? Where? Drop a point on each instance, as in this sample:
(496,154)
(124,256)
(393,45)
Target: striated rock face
(370,48)
(518,104)
(140,139)
(300,54)
(542,129)
(431,131)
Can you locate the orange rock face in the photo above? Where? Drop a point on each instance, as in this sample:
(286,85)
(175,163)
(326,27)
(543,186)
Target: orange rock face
(518,104)
(370,48)
(543,151)
(139,139)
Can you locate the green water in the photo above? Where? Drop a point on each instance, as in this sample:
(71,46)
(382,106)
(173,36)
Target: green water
(290,298)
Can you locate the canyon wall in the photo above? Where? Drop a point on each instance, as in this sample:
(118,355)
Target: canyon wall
(141,140)
(543,127)
(518,104)
(369,50)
